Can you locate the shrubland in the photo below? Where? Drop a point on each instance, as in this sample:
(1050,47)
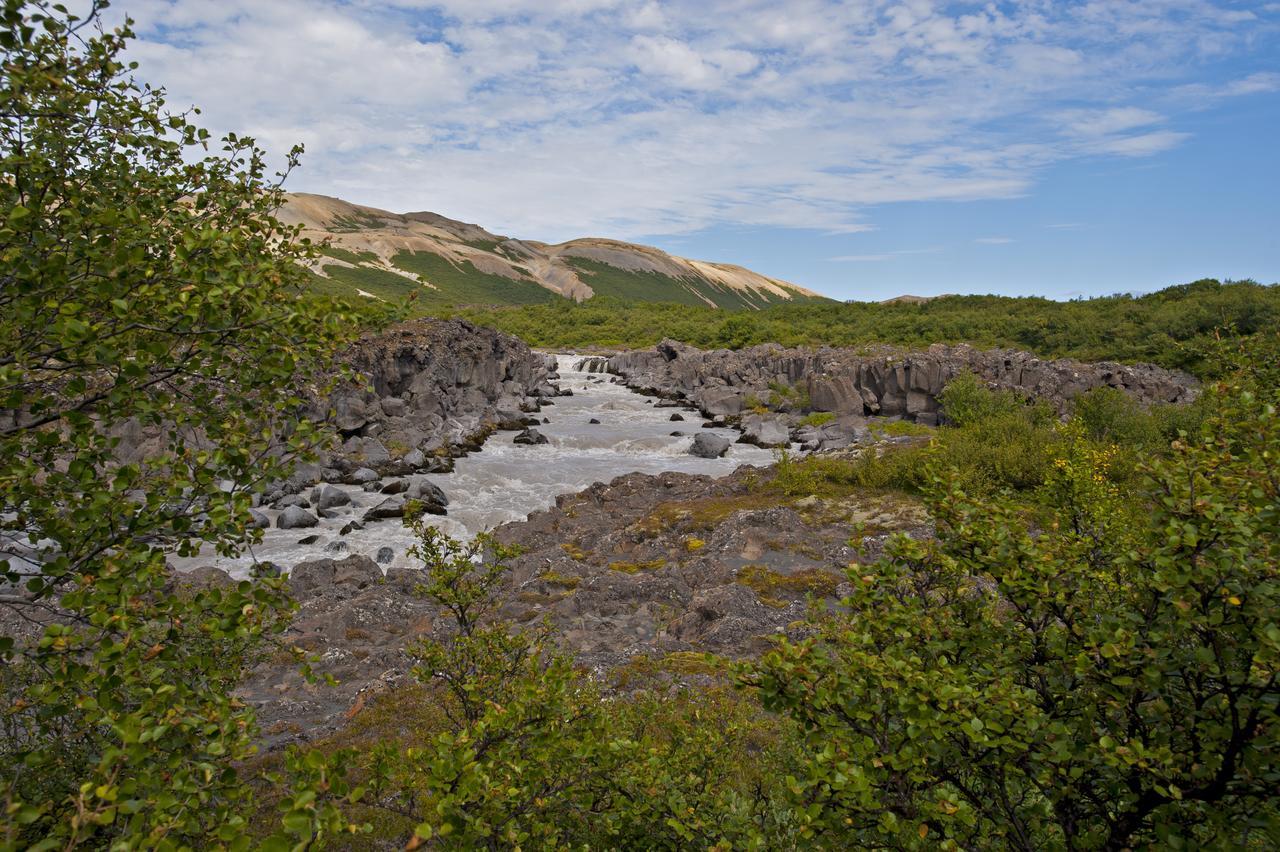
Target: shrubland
(1168,327)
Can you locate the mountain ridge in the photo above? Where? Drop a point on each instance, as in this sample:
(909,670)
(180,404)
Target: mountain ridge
(375,253)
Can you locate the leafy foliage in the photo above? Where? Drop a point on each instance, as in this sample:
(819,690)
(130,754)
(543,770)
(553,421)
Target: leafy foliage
(1104,680)
(146,293)
(522,750)
(1170,327)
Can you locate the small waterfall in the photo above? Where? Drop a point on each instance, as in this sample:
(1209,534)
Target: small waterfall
(592,364)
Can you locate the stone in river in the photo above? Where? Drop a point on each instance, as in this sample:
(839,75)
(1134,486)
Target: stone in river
(296,517)
(708,446)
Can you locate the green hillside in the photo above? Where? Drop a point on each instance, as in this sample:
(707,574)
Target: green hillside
(633,286)
(460,284)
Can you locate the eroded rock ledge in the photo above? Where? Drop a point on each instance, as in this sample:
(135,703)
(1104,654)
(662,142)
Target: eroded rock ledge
(428,389)
(877,380)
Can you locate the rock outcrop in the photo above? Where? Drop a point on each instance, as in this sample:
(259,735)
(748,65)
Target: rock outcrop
(425,391)
(886,382)
(642,567)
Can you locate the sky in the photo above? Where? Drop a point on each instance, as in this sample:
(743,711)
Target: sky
(863,149)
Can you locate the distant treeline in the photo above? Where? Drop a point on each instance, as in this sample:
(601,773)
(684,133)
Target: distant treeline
(1166,328)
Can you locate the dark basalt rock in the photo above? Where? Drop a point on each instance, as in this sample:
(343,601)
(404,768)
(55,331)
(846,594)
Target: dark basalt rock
(295,517)
(395,486)
(331,498)
(887,382)
(708,446)
(530,437)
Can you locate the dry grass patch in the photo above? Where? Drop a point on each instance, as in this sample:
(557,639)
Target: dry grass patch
(776,589)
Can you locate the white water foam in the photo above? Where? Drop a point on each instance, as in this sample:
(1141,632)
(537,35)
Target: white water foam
(505,481)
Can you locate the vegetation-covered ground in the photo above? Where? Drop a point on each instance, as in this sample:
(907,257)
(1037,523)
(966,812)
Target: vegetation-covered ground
(1166,328)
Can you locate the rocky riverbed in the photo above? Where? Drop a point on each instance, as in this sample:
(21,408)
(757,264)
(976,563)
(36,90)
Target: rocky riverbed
(646,568)
(585,428)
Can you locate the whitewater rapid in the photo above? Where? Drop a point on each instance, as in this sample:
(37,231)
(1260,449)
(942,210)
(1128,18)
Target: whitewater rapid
(505,482)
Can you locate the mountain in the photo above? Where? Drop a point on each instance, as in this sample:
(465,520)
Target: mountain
(377,254)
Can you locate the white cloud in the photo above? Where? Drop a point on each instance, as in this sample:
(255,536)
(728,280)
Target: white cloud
(994,241)
(557,118)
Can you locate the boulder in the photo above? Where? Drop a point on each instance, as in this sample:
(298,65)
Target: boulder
(349,412)
(362,475)
(708,446)
(204,577)
(292,500)
(392,507)
(384,556)
(259,519)
(395,486)
(296,517)
(432,498)
(675,418)
(331,497)
(764,431)
(720,401)
(308,579)
(529,437)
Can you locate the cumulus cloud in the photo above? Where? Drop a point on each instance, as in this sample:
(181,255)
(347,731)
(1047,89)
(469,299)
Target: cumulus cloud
(557,118)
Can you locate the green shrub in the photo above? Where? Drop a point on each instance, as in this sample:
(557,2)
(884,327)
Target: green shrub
(1112,416)
(817,418)
(966,400)
(1102,678)
(1171,327)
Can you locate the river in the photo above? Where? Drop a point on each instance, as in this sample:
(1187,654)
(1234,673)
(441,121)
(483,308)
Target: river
(505,481)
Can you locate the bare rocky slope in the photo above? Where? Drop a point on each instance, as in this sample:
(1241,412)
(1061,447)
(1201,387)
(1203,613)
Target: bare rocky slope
(385,255)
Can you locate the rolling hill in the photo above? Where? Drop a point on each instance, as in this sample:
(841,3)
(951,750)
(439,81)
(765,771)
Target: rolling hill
(377,254)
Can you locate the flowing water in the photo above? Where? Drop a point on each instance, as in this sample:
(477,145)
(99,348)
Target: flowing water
(505,481)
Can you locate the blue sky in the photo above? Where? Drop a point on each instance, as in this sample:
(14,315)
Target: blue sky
(864,149)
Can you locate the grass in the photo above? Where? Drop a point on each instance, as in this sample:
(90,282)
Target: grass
(637,567)
(343,281)
(347,255)
(574,551)
(900,428)
(560,581)
(634,286)
(463,284)
(704,513)
(771,586)
(818,418)
(644,669)
(357,221)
